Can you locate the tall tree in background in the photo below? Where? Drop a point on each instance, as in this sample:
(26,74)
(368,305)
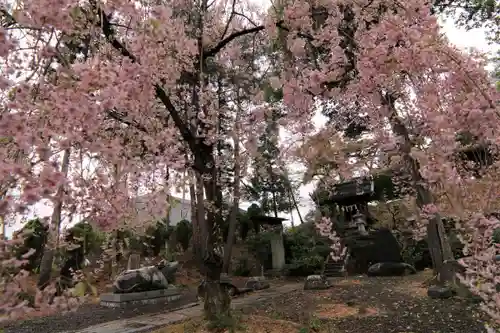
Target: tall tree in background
(270,186)
(472,14)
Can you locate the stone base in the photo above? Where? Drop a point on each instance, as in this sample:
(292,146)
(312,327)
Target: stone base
(316,282)
(439,292)
(111,300)
(257,283)
(275,273)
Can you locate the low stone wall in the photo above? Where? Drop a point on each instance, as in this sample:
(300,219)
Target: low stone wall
(132,299)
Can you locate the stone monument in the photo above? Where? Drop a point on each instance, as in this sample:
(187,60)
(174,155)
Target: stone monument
(316,282)
(257,283)
(134,261)
(277,246)
(145,285)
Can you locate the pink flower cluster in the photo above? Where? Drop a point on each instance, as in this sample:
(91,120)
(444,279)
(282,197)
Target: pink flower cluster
(482,270)
(20,296)
(326,229)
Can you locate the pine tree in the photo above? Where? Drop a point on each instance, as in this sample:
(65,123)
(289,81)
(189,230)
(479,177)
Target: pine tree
(269,185)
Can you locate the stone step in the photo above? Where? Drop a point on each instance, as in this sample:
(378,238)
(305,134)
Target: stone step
(334,265)
(334,269)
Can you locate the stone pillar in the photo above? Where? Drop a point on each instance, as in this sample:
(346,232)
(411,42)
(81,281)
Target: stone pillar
(278,249)
(134,261)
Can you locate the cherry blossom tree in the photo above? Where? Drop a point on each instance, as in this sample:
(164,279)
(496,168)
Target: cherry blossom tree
(139,90)
(407,80)
(133,91)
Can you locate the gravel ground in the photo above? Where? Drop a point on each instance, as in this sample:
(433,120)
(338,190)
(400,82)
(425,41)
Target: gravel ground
(354,305)
(89,315)
(390,305)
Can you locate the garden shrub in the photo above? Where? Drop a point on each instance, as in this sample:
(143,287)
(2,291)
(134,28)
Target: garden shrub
(242,267)
(35,234)
(260,246)
(183,233)
(305,250)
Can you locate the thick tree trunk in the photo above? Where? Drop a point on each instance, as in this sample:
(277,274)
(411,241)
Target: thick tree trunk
(195,238)
(217,301)
(2,219)
(4,228)
(233,218)
(439,247)
(55,225)
(3,193)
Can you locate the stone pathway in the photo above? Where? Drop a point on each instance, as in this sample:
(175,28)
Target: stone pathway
(148,323)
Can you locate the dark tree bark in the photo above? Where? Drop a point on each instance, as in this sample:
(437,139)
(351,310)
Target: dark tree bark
(233,218)
(217,301)
(50,248)
(439,245)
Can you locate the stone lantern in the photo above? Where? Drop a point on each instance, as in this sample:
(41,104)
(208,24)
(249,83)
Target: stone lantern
(360,222)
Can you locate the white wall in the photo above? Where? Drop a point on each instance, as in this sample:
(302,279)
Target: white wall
(150,211)
(181,210)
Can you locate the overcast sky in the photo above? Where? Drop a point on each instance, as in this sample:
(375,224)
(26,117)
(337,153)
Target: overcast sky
(460,37)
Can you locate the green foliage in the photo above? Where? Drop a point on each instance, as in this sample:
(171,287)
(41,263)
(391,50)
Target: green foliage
(231,323)
(245,225)
(384,187)
(496,70)
(260,246)
(152,242)
(413,253)
(315,323)
(466,138)
(157,236)
(269,184)
(83,288)
(309,265)
(496,236)
(27,297)
(91,240)
(254,210)
(35,234)
(271,95)
(242,268)
(183,233)
(305,250)
(472,14)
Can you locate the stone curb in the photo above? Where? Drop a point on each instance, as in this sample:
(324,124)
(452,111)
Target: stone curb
(150,322)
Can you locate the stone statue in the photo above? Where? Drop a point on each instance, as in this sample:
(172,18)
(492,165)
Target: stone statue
(145,278)
(169,269)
